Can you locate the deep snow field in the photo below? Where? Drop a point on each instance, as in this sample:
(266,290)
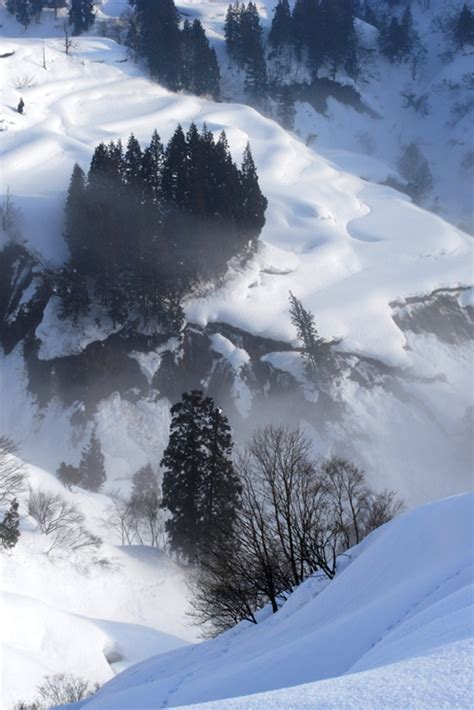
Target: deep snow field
(394,629)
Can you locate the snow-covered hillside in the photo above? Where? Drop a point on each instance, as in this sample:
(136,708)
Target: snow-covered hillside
(353,251)
(394,629)
(89,613)
(389,280)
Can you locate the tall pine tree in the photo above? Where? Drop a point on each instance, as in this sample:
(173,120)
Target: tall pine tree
(281,30)
(91,467)
(254,203)
(81,15)
(158,39)
(200,487)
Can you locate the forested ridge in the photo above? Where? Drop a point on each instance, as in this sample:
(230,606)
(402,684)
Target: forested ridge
(145,226)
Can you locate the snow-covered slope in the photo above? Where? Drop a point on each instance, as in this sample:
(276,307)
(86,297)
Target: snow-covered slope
(394,629)
(348,248)
(91,614)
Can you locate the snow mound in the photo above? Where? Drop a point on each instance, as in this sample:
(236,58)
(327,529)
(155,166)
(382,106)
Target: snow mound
(395,628)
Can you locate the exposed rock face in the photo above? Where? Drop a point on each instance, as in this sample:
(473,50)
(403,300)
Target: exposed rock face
(441,313)
(126,376)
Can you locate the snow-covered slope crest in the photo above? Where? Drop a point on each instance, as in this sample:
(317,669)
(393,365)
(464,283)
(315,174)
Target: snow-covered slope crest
(400,610)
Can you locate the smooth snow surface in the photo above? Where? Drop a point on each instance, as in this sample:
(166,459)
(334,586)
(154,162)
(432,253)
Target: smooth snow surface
(91,614)
(393,629)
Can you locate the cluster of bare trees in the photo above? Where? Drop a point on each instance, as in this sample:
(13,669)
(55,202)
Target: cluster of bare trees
(139,519)
(58,689)
(296,516)
(12,472)
(61,521)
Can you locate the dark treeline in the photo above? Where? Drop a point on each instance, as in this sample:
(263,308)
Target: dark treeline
(312,32)
(178,58)
(81,13)
(145,226)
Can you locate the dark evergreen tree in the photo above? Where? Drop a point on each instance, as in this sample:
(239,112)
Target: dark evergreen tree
(220,486)
(254,203)
(37,8)
(368,14)
(10,527)
(408,34)
(158,39)
(68,475)
(145,491)
(21,106)
(152,168)
(390,38)
(75,232)
(81,15)
(132,170)
(22,10)
(251,55)
(232,30)
(200,487)
(286,111)
(309,33)
(184,463)
(11,6)
(281,30)
(91,466)
(464,27)
(319,362)
(200,69)
(174,179)
(414,167)
(340,35)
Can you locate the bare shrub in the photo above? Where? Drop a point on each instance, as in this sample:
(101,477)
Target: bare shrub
(10,217)
(61,521)
(63,688)
(25,81)
(12,472)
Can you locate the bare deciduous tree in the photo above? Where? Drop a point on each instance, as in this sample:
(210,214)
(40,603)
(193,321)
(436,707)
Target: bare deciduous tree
(63,688)
(10,217)
(120,518)
(12,472)
(61,521)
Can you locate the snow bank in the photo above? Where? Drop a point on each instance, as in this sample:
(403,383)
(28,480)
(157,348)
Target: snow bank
(399,612)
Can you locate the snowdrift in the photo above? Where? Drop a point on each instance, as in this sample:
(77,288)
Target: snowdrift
(394,628)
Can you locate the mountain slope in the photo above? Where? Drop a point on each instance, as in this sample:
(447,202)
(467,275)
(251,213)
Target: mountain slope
(402,605)
(352,251)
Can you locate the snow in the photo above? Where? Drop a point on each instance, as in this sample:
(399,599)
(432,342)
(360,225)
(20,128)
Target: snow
(89,614)
(393,629)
